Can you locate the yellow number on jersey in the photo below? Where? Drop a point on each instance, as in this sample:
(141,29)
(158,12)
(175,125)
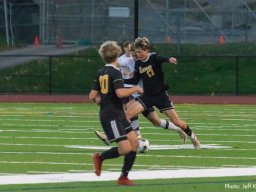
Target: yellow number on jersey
(104,84)
(150,71)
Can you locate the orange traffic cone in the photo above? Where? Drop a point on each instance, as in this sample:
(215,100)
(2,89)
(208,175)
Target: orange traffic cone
(222,40)
(36,41)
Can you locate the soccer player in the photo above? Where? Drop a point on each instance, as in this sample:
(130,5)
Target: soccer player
(108,90)
(148,69)
(127,66)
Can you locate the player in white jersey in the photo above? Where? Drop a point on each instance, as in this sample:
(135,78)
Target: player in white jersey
(126,62)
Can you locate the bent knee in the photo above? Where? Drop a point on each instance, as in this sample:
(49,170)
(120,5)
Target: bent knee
(124,151)
(135,145)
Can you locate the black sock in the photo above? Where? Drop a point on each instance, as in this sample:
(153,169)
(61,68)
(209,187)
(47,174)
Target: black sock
(134,118)
(167,124)
(188,131)
(128,163)
(110,154)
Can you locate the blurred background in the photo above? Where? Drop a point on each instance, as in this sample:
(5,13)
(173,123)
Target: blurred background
(83,21)
(214,41)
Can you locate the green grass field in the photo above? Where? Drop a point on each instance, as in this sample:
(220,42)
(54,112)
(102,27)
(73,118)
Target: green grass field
(45,138)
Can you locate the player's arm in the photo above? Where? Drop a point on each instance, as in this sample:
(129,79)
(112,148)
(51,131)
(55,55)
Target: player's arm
(173,60)
(94,96)
(126,92)
(134,80)
(161,59)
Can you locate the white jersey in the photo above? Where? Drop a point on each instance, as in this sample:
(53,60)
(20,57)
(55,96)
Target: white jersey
(126,65)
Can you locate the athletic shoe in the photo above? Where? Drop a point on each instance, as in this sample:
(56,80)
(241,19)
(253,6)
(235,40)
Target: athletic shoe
(195,141)
(102,137)
(97,163)
(123,180)
(183,136)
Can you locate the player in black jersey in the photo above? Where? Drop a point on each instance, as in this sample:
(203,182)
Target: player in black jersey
(108,90)
(148,67)
(126,63)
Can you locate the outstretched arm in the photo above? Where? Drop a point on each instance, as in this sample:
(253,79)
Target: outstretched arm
(173,60)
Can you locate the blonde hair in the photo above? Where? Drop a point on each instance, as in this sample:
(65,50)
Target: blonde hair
(142,42)
(109,51)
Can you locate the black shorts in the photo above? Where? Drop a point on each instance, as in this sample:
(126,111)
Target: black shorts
(116,130)
(146,112)
(161,101)
(125,100)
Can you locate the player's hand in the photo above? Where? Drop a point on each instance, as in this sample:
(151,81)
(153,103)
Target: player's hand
(139,89)
(98,100)
(173,60)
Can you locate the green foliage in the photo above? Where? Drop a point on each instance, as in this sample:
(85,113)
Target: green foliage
(204,69)
(2,44)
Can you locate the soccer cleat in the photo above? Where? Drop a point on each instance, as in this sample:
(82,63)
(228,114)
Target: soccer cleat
(123,180)
(97,163)
(102,137)
(183,136)
(195,141)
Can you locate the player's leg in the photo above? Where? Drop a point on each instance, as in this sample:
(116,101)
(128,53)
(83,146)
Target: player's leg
(134,120)
(134,109)
(136,126)
(163,103)
(127,142)
(173,116)
(115,131)
(102,136)
(129,159)
(153,117)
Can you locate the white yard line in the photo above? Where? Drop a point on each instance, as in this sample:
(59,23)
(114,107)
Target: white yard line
(134,175)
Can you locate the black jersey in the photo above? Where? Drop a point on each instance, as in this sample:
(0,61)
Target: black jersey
(151,73)
(108,79)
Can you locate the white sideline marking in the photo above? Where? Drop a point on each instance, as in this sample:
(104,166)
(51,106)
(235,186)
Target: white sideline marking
(156,147)
(135,175)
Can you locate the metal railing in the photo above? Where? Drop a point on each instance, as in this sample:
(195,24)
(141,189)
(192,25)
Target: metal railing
(194,75)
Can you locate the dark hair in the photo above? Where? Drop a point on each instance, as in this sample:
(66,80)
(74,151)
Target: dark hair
(126,43)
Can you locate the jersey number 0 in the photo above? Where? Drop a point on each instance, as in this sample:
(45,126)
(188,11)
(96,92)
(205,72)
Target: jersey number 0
(103,84)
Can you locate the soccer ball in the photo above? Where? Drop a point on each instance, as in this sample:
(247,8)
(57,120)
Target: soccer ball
(143,145)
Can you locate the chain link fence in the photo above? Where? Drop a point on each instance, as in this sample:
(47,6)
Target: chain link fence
(93,21)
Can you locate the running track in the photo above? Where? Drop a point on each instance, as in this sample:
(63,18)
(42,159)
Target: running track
(84,99)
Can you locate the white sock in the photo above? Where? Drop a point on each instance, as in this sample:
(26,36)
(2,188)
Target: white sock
(168,125)
(135,124)
(136,127)
(192,136)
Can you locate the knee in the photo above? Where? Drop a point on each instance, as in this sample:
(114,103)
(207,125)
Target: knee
(124,151)
(134,145)
(129,115)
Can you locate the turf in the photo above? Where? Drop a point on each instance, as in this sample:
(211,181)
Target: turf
(42,138)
